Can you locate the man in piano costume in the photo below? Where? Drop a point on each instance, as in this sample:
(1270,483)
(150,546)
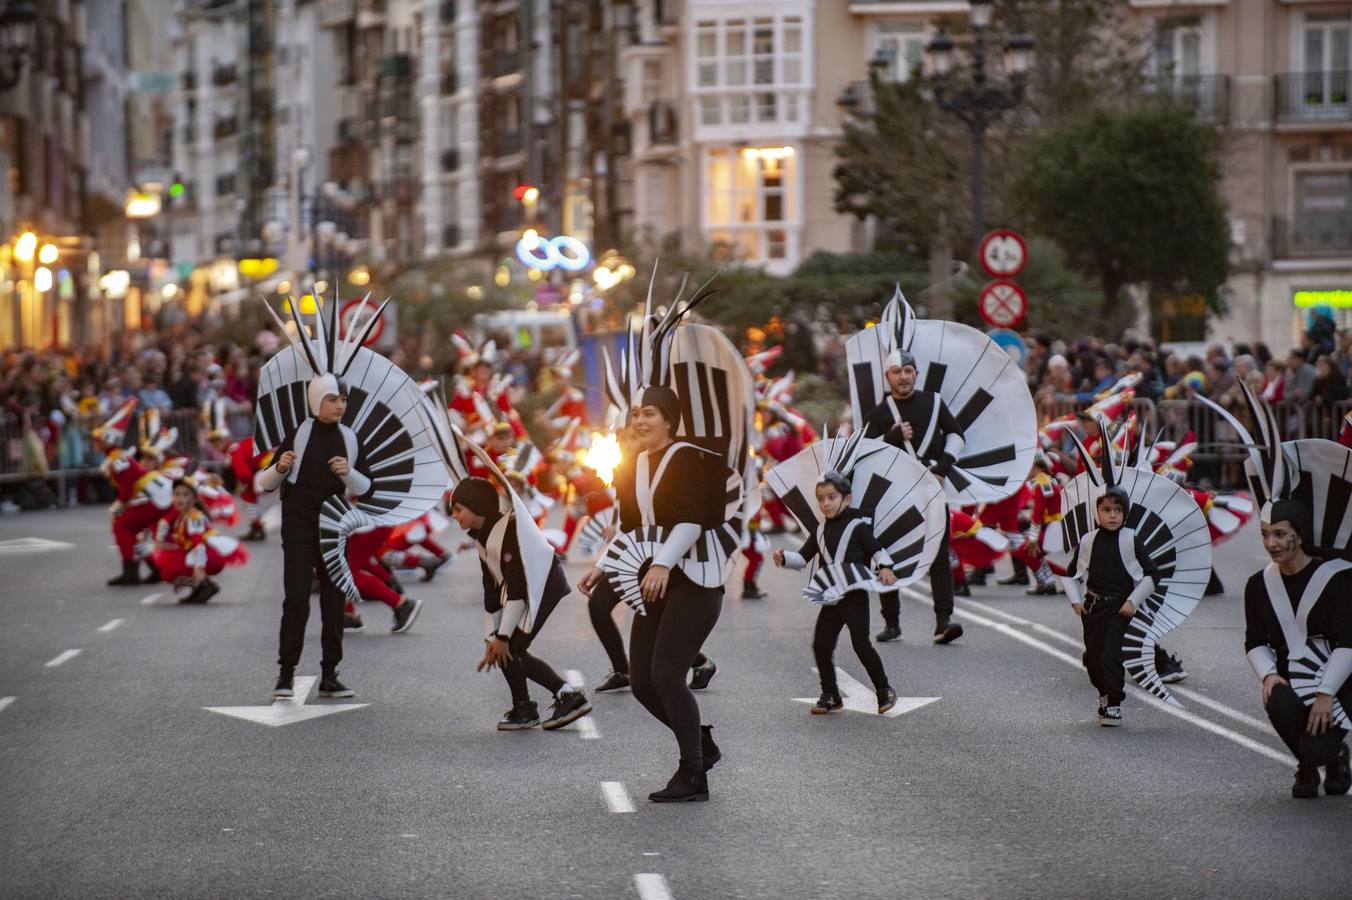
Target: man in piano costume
(951,397)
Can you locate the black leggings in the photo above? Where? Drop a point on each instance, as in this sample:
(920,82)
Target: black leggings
(301,561)
(523,665)
(941,590)
(600,606)
(852,612)
(1289,716)
(663,645)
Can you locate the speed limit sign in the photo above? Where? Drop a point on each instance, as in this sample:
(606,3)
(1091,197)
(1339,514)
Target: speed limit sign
(1003,304)
(1003,253)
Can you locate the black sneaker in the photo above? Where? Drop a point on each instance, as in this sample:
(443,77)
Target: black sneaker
(684,787)
(152,575)
(1015,579)
(700,676)
(353,623)
(568,707)
(947,632)
(828,702)
(256,532)
(429,567)
(615,681)
(751,592)
(405,613)
(887,698)
(962,590)
(1338,776)
(1170,669)
(131,574)
(206,590)
(330,686)
(1306,786)
(1043,589)
(1111,717)
(708,749)
(977,578)
(889,633)
(285,686)
(520,717)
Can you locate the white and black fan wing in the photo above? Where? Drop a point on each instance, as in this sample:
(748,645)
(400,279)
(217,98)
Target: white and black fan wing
(1307,665)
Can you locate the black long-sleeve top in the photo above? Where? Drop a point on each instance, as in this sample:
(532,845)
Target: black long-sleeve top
(917,410)
(315,481)
(693,488)
(862,547)
(1108,575)
(513,585)
(1329,618)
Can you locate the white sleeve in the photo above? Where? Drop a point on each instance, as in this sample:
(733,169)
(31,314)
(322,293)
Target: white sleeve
(356,483)
(513,611)
(269,479)
(1144,588)
(678,543)
(491,623)
(1263,661)
(1336,671)
(881,559)
(794,560)
(953,444)
(1074,591)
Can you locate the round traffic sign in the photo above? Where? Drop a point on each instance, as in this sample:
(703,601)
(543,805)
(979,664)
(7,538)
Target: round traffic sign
(1011,342)
(1003,253)
(347,320)
(1003,304)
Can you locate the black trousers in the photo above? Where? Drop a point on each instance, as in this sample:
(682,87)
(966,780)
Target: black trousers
(301,559)
(600,607)
(941,589)
(525,666)
(1104,628)
(663,645)
(1289,715)
(851,612)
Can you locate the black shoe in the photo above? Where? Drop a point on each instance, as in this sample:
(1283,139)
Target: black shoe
(613,682)
(1306,786)
(568,707)
(977,578)
(430,567)
(1170,669)
(152,575)
(887,698)
(286,684)
(353,624)
(256,532)
(330,686)
(700,676)
(683,787)
(1338,776)
(708,749)
(946,632)
(1214,586)
(520,717)
(1102,705)
(962,590)
(1014,579)
(751,592)
(828,702)
(1111,717)
(405,613)
(203,592)
(1045,589)
(131,574)
(889,633)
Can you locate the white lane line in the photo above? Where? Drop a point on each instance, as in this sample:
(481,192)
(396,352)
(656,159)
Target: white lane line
(586,727)
(111,625)
(1187,693)
(63,656)
(616,797)
(1204,724)
(574,678)
(5,701)
(149,599)
(651,886)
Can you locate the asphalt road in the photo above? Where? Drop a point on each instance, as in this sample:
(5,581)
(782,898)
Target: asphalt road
(116,781)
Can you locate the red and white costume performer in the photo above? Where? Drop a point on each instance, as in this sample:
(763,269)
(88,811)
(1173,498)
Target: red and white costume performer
(246,462)
(481,397)
(187,541)
(972,543)
(571,404)
(372,579)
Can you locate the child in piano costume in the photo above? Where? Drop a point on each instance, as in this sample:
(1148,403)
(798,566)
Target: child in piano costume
(513,621)
(846,536)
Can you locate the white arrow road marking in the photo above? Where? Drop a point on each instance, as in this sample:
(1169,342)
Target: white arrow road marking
(651,886)
(63,656)
(150,599)
(859,697)
(29,545)
(283,711)
(617,798)
(5,701)
(111,625)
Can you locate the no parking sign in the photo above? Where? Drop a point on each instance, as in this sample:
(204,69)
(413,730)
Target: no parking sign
(385,331)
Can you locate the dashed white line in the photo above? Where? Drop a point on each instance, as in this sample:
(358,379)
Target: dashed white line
(587,728)
(149,599)
(63,656)
(4,702)
(111,625)
(651,886)
(1150,699)
(616,797)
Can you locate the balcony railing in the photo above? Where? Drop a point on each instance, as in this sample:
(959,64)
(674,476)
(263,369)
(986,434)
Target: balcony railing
(1312,236)
(1314,97)
(662,122)
(1207,96)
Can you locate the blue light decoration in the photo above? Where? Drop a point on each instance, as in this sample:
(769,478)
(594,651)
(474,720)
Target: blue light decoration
(546,254)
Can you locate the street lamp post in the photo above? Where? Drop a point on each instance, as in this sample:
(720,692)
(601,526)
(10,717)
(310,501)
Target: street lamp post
(979,103)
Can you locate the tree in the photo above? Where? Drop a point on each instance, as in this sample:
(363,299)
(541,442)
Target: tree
(1133,197)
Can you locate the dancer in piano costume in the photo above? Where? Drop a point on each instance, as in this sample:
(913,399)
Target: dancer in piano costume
(344,422)
(950,396)
(523,578)
(1139,555)
(683,501)
(887,542)
(1298,609)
